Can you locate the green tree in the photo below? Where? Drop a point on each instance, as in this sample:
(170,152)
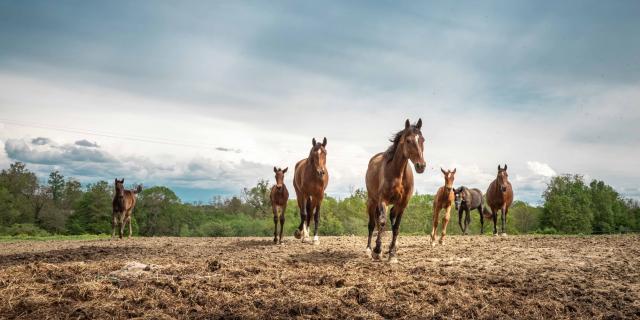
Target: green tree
(92,213)
(56,186)
(568,205)
(157,212)
(258,199)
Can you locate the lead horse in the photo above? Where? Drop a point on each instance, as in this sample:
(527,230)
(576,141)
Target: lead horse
(310,180)
(389,182)
(500,197)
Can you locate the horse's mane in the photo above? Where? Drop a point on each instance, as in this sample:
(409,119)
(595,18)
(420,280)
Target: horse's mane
(395,139)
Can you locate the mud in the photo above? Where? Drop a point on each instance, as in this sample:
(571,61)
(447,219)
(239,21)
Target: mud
(209,278)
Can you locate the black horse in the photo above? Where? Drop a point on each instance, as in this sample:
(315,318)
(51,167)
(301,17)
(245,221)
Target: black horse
(467,200)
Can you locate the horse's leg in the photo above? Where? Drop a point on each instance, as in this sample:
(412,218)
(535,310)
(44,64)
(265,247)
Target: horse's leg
(316,220)
(503,217)
(310,207)
(434,225)
(495,222)
(283,209)
(129,222)
(445,223)
(114,224)
(275,223)
(382,222)
(121,225)
(467,220)
(302,205)
(481,220)
(371,209)
(460,218)
(395,230)
(392,215)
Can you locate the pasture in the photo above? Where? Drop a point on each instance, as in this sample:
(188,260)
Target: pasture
(471,277)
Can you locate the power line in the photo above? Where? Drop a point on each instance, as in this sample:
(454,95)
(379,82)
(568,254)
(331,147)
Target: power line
(110,135)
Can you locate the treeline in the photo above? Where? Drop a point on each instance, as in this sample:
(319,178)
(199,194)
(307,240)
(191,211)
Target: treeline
(63,206)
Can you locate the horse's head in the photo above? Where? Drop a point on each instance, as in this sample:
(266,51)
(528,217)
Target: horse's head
(119,187)
(461,196)
(449,176)
(279,176)
(412,144)
(318,156)
(503,178)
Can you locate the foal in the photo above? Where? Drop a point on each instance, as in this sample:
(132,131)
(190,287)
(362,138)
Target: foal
(443,200)
(123,203)
(279,196)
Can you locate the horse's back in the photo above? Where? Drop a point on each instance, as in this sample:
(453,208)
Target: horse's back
(476,196)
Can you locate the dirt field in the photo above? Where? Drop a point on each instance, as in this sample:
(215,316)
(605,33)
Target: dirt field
(470,277)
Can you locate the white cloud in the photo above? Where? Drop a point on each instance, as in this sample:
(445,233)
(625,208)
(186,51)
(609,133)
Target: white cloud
(541,169)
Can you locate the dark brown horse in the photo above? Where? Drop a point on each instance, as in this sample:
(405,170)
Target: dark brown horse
(500,197)
(390,183)
(310,180)
(279,197)
(467,200)
(443,200)
(123,203)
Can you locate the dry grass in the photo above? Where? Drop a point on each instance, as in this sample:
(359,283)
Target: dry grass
(471,277)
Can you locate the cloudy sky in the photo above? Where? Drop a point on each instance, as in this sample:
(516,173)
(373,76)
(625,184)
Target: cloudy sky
(206,97)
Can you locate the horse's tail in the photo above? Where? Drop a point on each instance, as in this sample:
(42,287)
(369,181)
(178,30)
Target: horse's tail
(486,213)
(138,189)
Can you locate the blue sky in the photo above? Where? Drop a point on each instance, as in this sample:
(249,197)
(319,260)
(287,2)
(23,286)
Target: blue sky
(207,97)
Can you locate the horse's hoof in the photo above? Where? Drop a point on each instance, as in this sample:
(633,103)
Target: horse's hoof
(297,234)
(316,242)
(504,234)
(441,242)
(393,259)
(433,243)
(375,256)
(495,234)
(275,241)
(368,252)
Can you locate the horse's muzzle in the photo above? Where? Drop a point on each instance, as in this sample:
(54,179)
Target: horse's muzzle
(503,189)
(420,167)
(321,172)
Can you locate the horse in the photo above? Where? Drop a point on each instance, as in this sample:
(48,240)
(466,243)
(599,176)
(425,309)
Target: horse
(389,182)
(500,197)
(279,197)
(467,200)
(123,203)
(443,200)
(310,180)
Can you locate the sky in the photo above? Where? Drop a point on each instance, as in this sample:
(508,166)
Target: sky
(206,97)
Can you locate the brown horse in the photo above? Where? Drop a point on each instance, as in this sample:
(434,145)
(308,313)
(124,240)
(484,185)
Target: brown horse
(500,197)
(123,203)
(310,180)
(443,200)
(279,197)
(389,182)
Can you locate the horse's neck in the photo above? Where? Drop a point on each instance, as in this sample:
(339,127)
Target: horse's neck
(398,164)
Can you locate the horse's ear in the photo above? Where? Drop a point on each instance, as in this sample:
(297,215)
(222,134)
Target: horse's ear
(419,124)
(122,180)
(407,124)
(505,167)
(443,172)
(313,142)
(274,169)
(285,170)
(116,180)
(324,142)
(499,168)
(454,171)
